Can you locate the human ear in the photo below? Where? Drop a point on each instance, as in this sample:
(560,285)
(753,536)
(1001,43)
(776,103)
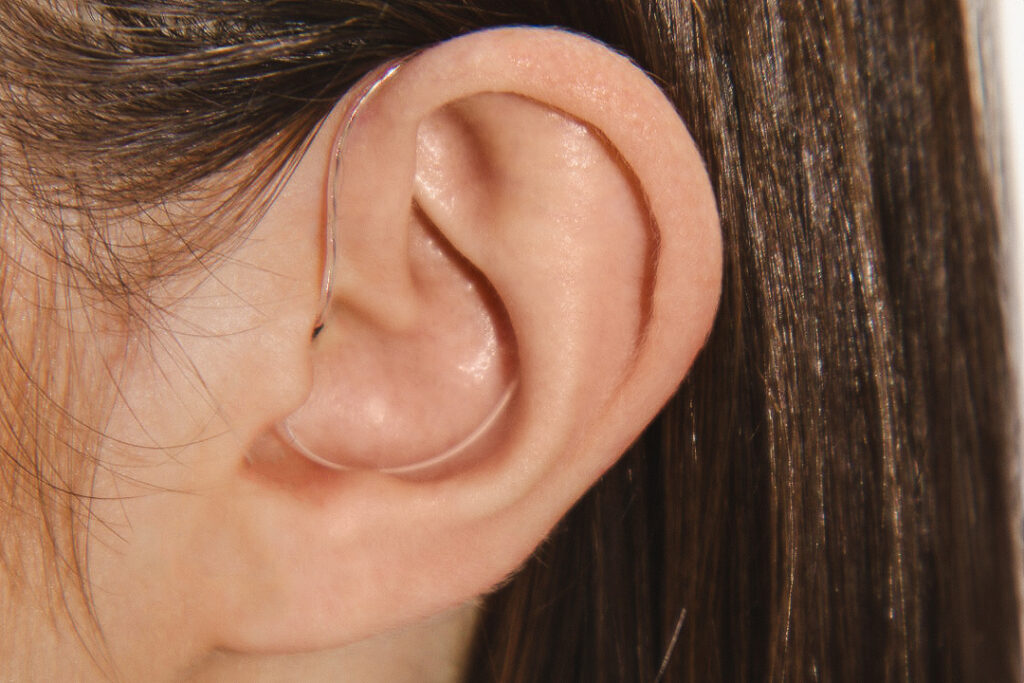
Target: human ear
(526,262)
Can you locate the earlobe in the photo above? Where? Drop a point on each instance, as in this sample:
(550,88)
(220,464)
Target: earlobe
(526,262)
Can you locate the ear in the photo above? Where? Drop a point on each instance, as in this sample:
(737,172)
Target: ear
(527,261)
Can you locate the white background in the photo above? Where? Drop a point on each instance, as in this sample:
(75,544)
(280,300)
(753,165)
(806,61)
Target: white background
(1007,50)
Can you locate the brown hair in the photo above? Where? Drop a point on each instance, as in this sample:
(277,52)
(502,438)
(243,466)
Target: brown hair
(827,497)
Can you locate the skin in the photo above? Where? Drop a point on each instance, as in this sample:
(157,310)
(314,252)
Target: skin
(550,168)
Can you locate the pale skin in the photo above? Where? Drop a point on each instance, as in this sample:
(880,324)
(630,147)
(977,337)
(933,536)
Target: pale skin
(224,554)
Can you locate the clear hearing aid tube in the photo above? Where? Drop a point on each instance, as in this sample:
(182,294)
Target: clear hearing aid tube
(383,73)
(331,227)
(286,428)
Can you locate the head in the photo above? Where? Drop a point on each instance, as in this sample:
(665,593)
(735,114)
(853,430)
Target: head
(526,236)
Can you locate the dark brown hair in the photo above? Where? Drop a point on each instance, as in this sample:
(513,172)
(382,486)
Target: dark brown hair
(828,495)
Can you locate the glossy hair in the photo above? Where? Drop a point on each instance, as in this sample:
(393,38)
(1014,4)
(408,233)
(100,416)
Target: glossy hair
(827,497)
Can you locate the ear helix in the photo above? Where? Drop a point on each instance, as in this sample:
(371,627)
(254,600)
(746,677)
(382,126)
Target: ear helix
(325,444)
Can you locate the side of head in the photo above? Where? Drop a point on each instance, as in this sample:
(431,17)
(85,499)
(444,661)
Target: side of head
(826,491)
(517,272)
